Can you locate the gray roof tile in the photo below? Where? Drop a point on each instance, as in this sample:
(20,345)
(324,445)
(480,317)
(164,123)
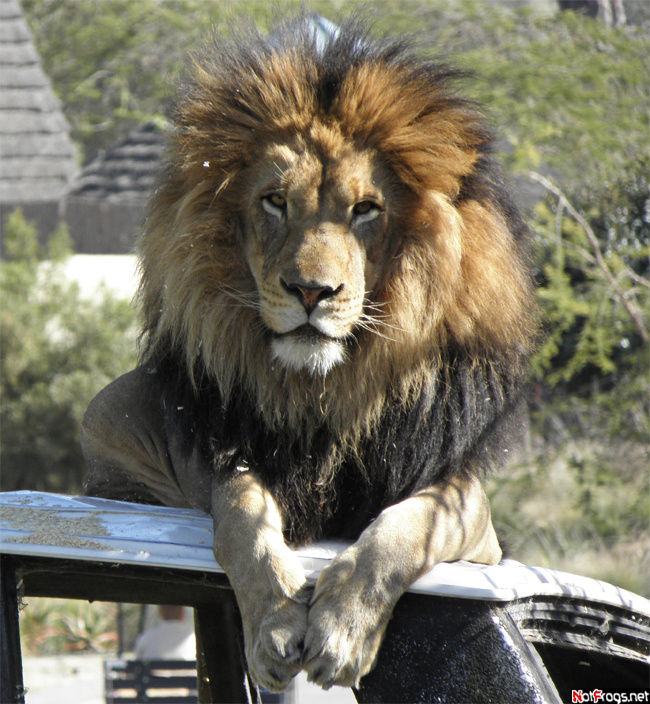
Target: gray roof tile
(9,9)
(14,30)
(17,122)
(56,145)
(38,156)
(21,190)
(19,98)
(36,167)
(24,77)
(18,54)
(128,170)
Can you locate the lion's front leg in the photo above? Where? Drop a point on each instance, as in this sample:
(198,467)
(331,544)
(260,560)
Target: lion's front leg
(355,595)
(266,576)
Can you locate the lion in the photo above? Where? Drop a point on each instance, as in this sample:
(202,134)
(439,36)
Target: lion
(337,322)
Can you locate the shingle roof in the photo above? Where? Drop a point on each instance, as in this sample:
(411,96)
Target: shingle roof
(37,156)
(127,171)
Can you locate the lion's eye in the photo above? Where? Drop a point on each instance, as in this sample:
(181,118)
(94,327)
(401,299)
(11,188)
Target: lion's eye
(365,210)
(364,207)
(274,203)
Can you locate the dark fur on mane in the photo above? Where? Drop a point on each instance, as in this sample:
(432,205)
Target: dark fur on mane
(461,424)
(457,421)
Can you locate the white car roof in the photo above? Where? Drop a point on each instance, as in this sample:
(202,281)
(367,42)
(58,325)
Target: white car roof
(100,530)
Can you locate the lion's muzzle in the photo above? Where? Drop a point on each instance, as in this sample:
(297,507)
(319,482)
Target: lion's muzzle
(313,327)
(310,295)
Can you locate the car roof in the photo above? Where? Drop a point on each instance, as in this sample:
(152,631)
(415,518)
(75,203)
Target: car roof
(101,530)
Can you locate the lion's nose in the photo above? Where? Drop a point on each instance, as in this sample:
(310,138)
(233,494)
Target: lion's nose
(310,295)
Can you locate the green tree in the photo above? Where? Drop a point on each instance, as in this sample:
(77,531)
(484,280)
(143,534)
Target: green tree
(563,90)
(57,351)
(115,63)
(578,498)
(594,254)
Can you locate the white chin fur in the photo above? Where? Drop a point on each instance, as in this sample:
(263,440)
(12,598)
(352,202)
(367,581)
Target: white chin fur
(317,357)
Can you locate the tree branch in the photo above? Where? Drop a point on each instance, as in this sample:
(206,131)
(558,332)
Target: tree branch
(563,202)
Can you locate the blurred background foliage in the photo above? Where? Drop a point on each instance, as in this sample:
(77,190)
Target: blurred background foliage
(569,98)
(55,626)
(57,351)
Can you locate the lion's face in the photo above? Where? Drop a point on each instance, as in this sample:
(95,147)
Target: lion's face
(327,231)
(315,241)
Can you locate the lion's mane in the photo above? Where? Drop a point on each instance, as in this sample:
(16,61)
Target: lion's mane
(429,398)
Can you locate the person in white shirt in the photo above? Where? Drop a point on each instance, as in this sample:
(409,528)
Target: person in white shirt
(172,639)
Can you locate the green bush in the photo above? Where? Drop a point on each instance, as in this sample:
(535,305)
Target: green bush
(595,296)
(578,497)
(57,351)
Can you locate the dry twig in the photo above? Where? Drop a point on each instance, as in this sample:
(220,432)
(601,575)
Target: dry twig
(565,204)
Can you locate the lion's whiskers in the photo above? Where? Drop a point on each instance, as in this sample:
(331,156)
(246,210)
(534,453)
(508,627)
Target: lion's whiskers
(372,323)
(373,317)
(375,305)
(245,300)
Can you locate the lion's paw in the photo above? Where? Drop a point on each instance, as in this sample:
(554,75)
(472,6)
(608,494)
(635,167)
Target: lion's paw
(343,633)
(339,649)
(274,652)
